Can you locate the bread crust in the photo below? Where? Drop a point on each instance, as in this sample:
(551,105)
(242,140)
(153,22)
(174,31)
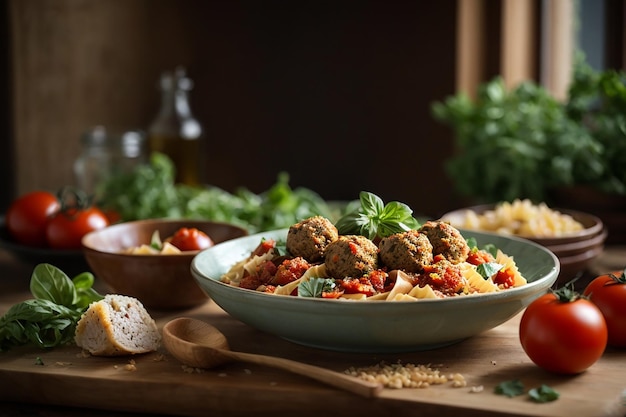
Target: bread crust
(117,325)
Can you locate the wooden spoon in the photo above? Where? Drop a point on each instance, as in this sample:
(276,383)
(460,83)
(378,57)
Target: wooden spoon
(200,345)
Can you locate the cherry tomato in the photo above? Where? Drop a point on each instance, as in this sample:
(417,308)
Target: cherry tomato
(66,229)
(562,332)
(187,239)
(28,215)
(608,292)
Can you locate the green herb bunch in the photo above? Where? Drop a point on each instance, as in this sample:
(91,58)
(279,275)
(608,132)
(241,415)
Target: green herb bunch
(149,191)
(523,142)
(597,102)
(374,219)
(49,319)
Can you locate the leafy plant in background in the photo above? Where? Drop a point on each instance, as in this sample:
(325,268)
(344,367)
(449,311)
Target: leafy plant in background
(149,191)
(597,101)
(523,142)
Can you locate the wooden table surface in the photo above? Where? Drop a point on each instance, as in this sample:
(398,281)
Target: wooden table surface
(69,383)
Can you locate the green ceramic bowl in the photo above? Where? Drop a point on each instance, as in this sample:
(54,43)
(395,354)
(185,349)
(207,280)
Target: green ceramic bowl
(374,326)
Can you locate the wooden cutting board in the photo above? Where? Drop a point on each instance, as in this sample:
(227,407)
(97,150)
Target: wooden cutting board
(156,383)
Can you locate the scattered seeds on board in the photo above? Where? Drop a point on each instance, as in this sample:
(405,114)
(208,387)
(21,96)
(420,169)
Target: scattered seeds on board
(400,375)
(131,365)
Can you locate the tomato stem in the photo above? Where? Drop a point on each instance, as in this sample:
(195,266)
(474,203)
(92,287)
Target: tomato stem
(617,279)
(73,199)
(567,294)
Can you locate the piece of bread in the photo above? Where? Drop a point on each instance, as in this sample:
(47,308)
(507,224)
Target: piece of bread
(117,325)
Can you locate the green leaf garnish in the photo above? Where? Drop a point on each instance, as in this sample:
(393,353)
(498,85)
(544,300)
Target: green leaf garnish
(155,241)
(543,394)
(49,319)
(375,219)
(472,243)
(488,269)
(280,247)
(314,287)
(489,247)
(510,388)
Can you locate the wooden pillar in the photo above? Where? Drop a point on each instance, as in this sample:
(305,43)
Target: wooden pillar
(471,45)
(558,46)
(518,47)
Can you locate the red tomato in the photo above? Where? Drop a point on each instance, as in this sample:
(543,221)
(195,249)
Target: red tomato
(505,278)
(28,215)
(187,239)
(66,229)
(562,332)
(608,292)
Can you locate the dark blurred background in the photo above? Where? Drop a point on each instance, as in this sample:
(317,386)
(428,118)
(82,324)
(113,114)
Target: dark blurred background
(336,93)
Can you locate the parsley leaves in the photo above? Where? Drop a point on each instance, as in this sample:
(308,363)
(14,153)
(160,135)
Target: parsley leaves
(541,394)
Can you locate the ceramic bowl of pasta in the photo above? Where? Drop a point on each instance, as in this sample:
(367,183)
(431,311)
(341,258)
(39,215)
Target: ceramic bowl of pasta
(141,259)
(575,237)
(417,290)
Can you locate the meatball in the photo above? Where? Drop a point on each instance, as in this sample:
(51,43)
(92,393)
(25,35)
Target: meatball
(351,256)
(409,251)
(443,276)
(446,240)
(310,237)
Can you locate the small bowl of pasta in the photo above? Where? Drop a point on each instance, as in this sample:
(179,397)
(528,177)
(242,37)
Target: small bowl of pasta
(151,259)
(409,291)
(575,237)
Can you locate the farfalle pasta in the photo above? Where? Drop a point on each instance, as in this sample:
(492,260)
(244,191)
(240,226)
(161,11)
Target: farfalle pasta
(431,262)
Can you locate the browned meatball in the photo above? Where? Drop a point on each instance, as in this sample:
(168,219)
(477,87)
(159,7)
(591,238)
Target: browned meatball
(446,241)
(310,237)
(351,256)
(409,251)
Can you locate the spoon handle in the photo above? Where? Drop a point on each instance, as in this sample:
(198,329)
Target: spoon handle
(336,379)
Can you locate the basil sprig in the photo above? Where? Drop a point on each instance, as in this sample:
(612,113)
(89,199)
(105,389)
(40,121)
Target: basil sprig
(374,218)
(50,318)
(314,287)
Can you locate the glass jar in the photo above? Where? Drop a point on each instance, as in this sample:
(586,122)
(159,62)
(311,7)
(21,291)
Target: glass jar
(106,153)
(175,132)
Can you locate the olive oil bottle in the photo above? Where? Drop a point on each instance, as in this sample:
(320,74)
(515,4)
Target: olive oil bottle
(175,132)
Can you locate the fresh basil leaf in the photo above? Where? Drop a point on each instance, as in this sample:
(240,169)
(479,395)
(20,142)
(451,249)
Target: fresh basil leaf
(350,223)
(314,287)
(371,204)
(472,243)
(50,283)
(510,388)
(488,269)
(543,394)
(375,219)
(280,247)
(50,318)
(85,294)
(38,321)
(491,249)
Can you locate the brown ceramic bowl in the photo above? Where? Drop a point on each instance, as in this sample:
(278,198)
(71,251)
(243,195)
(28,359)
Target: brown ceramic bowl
(575,250)
(592,224)
(158,281)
